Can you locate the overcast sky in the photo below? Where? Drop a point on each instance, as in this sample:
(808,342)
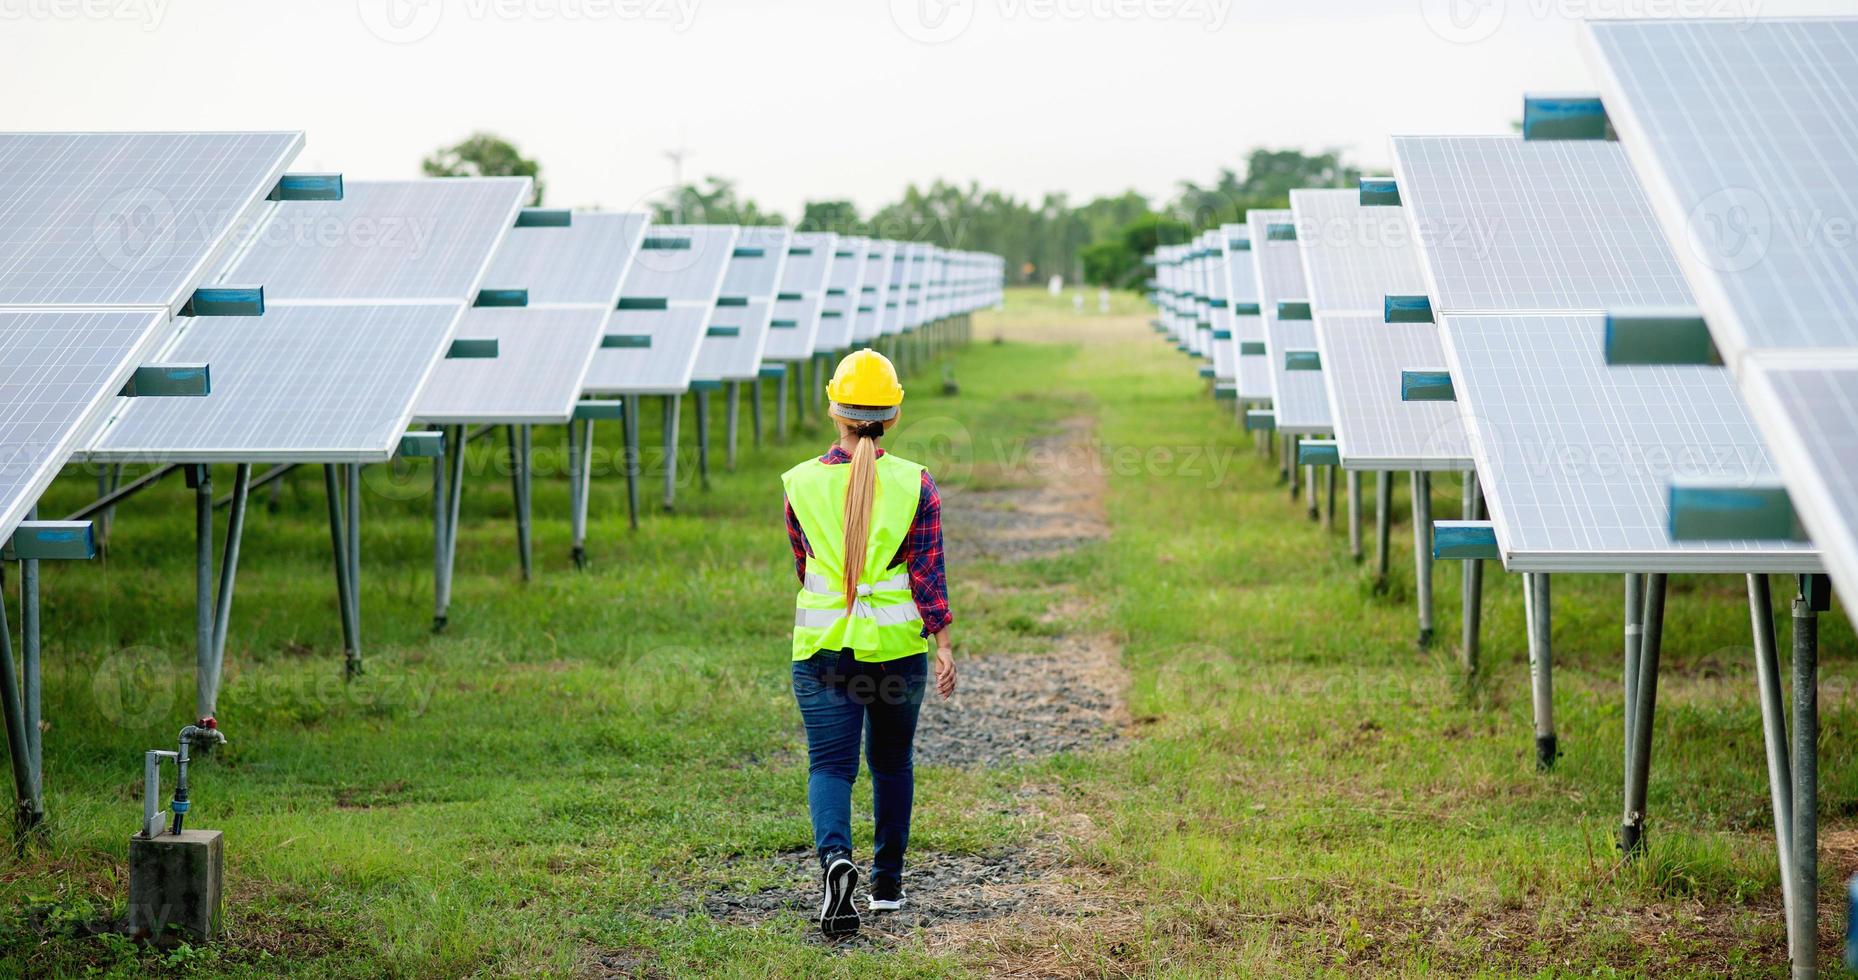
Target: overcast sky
(809,100)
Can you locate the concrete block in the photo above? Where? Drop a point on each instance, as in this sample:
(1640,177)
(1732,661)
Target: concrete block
(176,883)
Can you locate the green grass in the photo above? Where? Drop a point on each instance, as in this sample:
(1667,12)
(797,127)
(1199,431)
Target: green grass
(1307,793)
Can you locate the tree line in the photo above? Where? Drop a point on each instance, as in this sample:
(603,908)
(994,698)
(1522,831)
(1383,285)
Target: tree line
(1100,241)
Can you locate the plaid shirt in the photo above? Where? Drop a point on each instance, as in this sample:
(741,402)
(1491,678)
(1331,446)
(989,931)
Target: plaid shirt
(921,550)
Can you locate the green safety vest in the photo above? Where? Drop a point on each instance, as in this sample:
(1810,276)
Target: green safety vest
(884,623)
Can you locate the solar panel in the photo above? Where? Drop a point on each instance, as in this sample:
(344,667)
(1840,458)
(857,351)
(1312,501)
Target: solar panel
(1807,408)
(839,309)
(1576,456)
(803,292)
(59,373)
(1254,370)
(1362,358)
(573,277)
(304,384)
(125,219)
(896,279)
(542,358)
(1297,397)
(1508,225)
(1353,257)
(1742,131)
(872,290)
(331,379)
(405,240)
(582,264)
(651,341)
(739,334)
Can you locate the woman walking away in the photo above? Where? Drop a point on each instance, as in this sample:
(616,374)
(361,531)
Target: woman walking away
(866,529)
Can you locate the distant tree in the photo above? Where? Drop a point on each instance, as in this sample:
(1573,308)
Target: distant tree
(484,155)
(1110,263)
(840,217)
(715,202)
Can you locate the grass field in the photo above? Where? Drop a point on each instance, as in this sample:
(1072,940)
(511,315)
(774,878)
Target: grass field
(556,784)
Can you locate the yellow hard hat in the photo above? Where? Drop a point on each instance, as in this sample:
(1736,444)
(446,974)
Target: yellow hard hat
(865,378)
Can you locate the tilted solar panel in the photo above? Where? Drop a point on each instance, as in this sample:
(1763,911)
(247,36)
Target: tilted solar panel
(1297,397)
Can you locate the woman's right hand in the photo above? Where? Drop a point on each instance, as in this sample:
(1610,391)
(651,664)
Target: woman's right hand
(944,666)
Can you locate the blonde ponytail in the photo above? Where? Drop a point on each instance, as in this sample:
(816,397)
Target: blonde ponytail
(860,494)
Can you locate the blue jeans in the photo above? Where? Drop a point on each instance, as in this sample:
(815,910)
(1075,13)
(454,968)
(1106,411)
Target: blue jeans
(841,699)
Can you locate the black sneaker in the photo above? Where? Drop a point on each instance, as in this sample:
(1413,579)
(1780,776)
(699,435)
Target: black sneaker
(838,913)
(886,894)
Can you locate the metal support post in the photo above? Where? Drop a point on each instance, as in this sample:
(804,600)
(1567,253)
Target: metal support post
(1383,523)
(1422,552)
(26,805)
(1473,591)
(519,440)
(31,674)
(201,479)
(780,405)
(703,438)
(228,572)
(345,595)
(1803,920)
(800,394)
(1329,504)
(580,485)
(1354,514)
(1774,740)
(1309,490)
(673,414)
(1538,621)
(632,460)
(732,423)
(1644,706)
(754,409)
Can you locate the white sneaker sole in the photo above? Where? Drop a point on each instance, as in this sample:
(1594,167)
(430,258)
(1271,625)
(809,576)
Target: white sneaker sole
(881,905)
(838,913)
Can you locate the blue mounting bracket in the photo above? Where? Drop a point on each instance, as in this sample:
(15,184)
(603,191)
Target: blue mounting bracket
(1293,309)
(307,187)
(745,252)
(226,301)
(1564,117)
(1659,337)
(666,243)
(1318,452)
(502,297)
(1302,360)
(773,370)
(1239,244)
(1406,309)
(731,301)
(600,410)
(544,218)
(1245,309)
(1225,393)
(783,324)
(1464,540)
(643,303)
(1222,335)
(51,541)
(1280,231)
(723,332)
(473,347)
(1251,348)
(706,385)
(1206,372)
(614,341)
(1379,192)
(1260,420)
(1427,385)
(422,445)
(169,381)
(1706,510)
(788,297)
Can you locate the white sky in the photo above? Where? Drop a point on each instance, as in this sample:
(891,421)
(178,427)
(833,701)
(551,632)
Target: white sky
(821,99)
